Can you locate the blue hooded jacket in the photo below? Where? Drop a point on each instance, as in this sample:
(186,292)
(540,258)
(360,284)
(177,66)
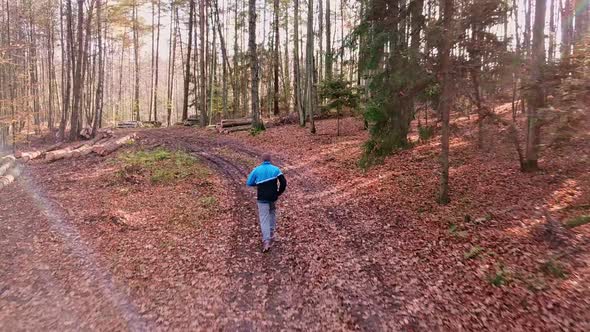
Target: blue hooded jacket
(265,178)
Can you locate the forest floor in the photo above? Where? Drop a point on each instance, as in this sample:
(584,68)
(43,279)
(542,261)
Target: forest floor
(97,243)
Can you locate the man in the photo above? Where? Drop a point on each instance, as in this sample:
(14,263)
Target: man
(265,178)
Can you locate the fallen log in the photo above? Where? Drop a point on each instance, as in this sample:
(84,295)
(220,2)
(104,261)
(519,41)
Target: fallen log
(58,154)
(54,147)
(6,159)
(65,153)
(111,146)
(235,122)
(6,164)
(129,124)
(235,129)
(8,179)
(26,156)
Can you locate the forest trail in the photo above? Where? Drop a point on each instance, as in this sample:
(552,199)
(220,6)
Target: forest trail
(305,282)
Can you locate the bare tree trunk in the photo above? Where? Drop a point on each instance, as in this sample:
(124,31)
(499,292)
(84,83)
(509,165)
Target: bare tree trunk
(226,64)
(320,56)
(157,63)
(287,68)
(203,94)
(276,59)
(309,68)
(551,52)
(537,94)
(567,28)
(446,97)
(136,109)
(328,61)
(51,66)
(99,84)
(298,103)
(212,74)
(77,80)
(171,62)
(527,27)
(582,12)
(187,71)
(33,72)
(153,60)
(256,123)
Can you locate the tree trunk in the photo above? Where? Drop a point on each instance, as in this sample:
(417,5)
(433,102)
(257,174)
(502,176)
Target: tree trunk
(153,60)
(203,92)
(157,62)
(99,84)
(171,62)
(446,97)
(256,123)
(551,52)
(537,94)
(309,68)
(276,59)
(51,67)
(136,109)
(296,68)
(77,77)
(567,28)
(187,71)
(328,60)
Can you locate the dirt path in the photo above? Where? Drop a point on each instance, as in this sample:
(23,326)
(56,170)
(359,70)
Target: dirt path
(49,278)
(319,276)
(305,282)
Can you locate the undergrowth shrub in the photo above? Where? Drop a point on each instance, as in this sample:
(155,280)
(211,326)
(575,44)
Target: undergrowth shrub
(160,166)
(577,221)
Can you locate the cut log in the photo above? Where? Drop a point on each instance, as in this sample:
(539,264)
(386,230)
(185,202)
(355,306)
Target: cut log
(57,155)
(6,159)
(54,147)
(31,155)
(235,122)
(129,124)
(236,128)
(112,145)
(8,179)
(6,164)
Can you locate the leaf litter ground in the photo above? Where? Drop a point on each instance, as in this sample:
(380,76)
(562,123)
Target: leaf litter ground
(368,250)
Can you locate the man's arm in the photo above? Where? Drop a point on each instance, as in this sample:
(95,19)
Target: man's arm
(251,182)
(282,184)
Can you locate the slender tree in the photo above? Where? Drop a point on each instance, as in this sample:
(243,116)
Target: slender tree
(188,60)
(536,94)
(309,68)
(297,87)
(446,96)
(256,122)
(276,59)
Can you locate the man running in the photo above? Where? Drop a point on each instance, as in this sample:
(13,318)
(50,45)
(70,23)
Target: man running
(265,178)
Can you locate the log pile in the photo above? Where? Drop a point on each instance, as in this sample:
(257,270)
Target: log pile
(191,121)
(8,170)
(103,144)
(10,177)
(129,124)
(6,163)
(232,125)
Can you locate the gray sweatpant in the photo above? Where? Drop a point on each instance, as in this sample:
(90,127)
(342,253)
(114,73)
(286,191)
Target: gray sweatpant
(267,212)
